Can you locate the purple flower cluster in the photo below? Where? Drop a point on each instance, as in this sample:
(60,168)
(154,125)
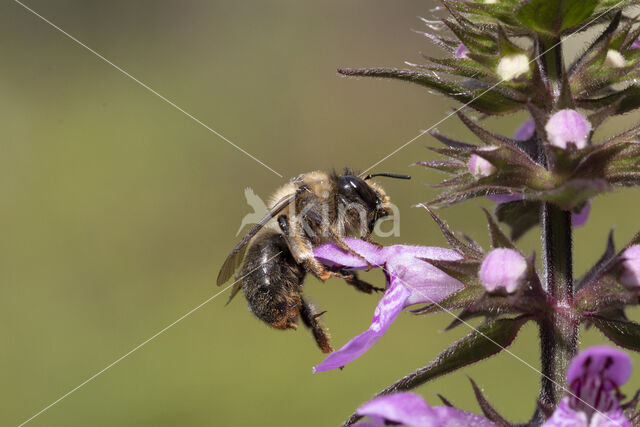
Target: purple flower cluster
(504,57)
(566,127)
(592,399)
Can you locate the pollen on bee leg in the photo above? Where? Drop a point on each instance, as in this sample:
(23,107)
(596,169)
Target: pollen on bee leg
(325,275)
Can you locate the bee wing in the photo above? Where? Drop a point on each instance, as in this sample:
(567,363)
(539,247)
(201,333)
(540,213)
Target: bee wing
(234,290)
(234,259)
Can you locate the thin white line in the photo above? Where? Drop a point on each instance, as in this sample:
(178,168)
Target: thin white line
(94,376)
(195,119)
(498,345)
(514,355)
(487,90)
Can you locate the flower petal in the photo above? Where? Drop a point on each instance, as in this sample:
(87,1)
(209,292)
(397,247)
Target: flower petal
(427,283)
(431,252)
(503,269)
(505,198)
(389,306)
(630,271)
(615,59)
(405,408)
(565,416)
(568,126)
(411,410)
(512,66)
(610,419)
(607,362)
(333,256)
(525,131)
(479,167)
(461,51)
(456,417)
(580,218)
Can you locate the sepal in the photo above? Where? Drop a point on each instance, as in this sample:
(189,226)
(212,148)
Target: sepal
(624,333)
(481,343)
(601,291)
(487,409)
(485,99)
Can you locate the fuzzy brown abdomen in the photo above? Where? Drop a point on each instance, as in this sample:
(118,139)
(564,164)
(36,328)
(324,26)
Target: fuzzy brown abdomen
(272,281)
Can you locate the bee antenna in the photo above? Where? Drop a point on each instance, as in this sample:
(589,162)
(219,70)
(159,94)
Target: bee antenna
(387,174)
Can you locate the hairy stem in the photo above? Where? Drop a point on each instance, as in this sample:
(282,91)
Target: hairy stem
(559,328)
(551,50)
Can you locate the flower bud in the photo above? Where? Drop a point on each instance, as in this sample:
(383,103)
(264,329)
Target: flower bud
(568,126)
(479,167)
(505,198)
(461,51)
(615,59)
(513,66)
(630,275)
(503,269)
(578,219)
(525,131)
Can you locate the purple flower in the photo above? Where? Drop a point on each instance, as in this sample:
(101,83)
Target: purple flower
(479,167)
(461,51)
(577,219)
(409,281)
(568,126)
(503,269)
(635,44)
(630,275)
(594,377)
(505,198)
(409,409)
(580,218)
(525,131)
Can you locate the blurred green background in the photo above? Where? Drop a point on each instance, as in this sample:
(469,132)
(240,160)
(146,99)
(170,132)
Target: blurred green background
(117,209)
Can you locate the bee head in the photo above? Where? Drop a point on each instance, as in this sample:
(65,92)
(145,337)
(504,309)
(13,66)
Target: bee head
(357,191)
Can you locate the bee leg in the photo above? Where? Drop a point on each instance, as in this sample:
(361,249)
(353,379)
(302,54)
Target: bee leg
(339,241)
(361,285)
(316,268)
(303,253)
(284,224)
(367,238)
(310,320)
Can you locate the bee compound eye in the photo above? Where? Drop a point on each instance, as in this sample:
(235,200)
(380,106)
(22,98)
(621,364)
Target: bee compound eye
(357,190)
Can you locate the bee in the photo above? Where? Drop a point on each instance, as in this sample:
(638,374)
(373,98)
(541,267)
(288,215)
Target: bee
(312,209)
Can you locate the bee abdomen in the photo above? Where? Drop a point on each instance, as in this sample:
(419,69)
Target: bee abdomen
(272,281)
